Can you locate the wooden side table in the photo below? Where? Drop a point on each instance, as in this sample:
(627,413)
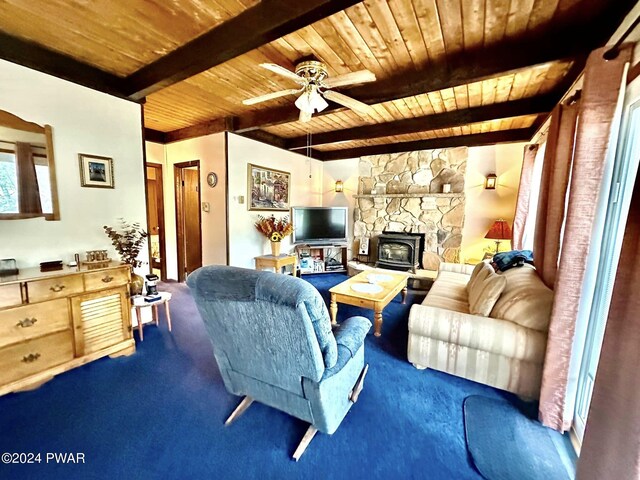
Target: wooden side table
(270,261)
(139,303)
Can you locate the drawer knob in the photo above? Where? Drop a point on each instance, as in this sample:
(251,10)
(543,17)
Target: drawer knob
(32,357)
(57,288)
(107,279)
(27,322)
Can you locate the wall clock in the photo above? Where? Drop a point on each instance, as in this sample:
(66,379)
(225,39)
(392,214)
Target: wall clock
(212,179)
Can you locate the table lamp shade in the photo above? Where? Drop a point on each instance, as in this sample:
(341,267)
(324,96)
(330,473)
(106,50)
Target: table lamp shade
(500,230)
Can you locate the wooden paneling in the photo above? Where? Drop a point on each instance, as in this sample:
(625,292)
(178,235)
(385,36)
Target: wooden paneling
(384,37)
(502,89)
(119,36)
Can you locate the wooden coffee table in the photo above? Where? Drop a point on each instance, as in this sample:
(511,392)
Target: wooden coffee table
(392,283)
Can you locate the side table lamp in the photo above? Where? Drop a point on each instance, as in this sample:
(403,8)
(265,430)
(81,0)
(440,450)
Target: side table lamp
(499,231)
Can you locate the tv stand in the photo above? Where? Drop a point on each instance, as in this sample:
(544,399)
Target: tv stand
(330,258)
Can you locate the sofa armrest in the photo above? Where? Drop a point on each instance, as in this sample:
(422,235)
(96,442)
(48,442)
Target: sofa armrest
(493,335)
(456,268)
(350,337)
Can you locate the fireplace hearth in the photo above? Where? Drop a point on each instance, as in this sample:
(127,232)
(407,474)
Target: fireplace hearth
(399,251)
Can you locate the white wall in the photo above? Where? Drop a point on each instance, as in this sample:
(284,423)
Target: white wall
(483,207)
(245,242)
(347,171)
(83,121)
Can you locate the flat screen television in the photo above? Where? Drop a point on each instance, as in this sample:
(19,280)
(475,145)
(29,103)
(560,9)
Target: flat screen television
(319,225)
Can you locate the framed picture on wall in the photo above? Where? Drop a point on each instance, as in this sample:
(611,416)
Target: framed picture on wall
(268,189)
(96,171)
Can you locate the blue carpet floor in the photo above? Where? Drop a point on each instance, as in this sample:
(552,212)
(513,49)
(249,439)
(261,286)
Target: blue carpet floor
(159,414)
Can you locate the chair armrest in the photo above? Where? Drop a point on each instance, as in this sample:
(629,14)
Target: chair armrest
(456,268)
(350,337)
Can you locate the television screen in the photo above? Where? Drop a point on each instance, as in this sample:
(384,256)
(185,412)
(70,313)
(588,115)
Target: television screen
(319,224)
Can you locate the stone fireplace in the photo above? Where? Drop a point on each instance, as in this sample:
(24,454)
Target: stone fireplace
(403,193)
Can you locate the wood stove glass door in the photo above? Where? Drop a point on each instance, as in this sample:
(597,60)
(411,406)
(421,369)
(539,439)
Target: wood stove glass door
(395,252)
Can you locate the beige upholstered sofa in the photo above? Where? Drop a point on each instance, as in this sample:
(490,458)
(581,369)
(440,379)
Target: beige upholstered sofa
(504,349)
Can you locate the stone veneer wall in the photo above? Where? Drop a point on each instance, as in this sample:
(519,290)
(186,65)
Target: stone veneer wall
(414,201)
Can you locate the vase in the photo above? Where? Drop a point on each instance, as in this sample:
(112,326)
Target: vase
(137,284)
(275,249)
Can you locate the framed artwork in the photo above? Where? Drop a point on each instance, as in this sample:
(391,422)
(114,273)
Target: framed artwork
(268,189)
(96,171)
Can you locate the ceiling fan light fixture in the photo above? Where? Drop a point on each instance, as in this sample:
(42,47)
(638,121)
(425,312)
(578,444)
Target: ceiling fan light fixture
(311,100)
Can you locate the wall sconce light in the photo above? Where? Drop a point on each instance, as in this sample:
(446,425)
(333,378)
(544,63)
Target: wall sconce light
(339,186)
(490,182)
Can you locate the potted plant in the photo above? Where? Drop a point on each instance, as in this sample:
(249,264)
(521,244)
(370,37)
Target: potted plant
(275,230)
(128,241)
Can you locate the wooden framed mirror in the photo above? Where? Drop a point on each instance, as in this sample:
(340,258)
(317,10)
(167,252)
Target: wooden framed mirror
(28,186)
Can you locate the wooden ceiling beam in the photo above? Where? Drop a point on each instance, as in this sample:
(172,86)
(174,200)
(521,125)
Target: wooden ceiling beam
(474,140)
(154,136)
(279,142)
(217,125)
(527,106)
(266,21)
(36,57)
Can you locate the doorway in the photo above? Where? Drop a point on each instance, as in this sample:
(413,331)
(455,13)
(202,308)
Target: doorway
(188,219)
(155,220)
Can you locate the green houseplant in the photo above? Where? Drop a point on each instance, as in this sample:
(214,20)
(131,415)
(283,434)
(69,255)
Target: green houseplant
(128,240)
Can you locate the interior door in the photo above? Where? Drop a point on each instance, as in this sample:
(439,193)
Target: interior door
(192,240)
(155,220)
(188,227)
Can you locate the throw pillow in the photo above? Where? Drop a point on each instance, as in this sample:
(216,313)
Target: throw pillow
(479,271)
(485,293)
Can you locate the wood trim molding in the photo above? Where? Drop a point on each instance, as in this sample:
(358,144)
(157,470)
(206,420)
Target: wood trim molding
(266,21)
(474,140)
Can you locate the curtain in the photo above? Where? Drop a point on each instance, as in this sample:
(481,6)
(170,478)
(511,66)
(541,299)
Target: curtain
(611,447)
(28,192)
(524,194)
(553,191)
(599,114)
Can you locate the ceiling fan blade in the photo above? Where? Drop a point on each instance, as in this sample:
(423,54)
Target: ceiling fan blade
(362,76)
(275,68)
(270,96)
(304,116)
(348,102)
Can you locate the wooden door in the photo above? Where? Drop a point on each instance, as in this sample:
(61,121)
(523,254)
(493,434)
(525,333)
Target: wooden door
(192,241)
(188,226)
(155,220)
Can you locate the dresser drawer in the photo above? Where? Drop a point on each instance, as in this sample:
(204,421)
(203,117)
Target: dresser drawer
(59,287)
(24,359)
(106,279)
(10,295)
(22,323)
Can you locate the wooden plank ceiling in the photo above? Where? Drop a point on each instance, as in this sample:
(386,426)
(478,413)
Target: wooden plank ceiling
(454,67)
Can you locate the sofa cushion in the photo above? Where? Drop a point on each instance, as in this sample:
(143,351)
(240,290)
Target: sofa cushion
(485,291)
(449,292)
(526,300)
(480,268)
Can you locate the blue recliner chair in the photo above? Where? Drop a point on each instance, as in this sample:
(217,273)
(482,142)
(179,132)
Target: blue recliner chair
(272,339)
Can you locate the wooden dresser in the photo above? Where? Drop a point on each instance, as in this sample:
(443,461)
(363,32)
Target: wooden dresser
(51,322)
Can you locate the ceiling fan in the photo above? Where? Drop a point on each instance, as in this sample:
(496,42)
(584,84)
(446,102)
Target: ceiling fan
(314,87)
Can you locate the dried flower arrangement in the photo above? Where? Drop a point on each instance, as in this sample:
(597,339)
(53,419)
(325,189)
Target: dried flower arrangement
(128,241)
(275,230)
